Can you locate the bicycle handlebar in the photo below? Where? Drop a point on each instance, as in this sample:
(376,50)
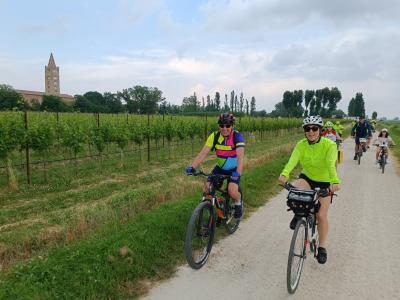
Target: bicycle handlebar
(201,173)
(321,192)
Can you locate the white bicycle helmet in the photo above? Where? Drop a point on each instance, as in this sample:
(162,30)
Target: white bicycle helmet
(313,120)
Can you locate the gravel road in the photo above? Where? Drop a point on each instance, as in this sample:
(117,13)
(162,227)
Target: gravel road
(363,247)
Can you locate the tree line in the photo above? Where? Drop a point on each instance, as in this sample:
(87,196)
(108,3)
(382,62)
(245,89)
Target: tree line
(321,102)
(135,100)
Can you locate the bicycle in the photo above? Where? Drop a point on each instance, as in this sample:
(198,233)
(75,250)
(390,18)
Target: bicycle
(215,208)
(305,205)
(362,147)
(383,154)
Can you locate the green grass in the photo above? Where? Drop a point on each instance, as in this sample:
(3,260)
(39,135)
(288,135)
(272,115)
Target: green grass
(82,270)
(394,131)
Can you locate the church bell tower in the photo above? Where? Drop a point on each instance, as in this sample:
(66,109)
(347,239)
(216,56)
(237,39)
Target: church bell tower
(52,77)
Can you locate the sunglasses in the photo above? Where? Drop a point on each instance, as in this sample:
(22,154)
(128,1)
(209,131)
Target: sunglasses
(226,126)
(309,128)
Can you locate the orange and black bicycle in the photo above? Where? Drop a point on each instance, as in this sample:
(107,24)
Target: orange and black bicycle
(215,208)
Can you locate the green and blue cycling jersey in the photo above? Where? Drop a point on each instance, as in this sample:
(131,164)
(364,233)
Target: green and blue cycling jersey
(225,148)
(318,160)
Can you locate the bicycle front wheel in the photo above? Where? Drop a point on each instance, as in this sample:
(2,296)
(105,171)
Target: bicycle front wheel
(383,163)
(297,255)
(200,235)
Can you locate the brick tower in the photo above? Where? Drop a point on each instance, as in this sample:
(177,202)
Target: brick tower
(52,77)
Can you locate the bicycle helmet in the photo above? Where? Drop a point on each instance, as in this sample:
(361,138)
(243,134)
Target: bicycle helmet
(313,120)
(226,118)
(329,124)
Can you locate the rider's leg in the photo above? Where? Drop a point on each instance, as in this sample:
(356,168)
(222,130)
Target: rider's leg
(302,184)
(233,190)
(356,150)
(322,218)
(206,187)
(377,153)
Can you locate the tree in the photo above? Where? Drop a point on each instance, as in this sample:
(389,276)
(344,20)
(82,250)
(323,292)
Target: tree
(335,97)
(241,102)
(9,98)
(98,104)
(292,103)
(374,115)
(112,103)
(53,103)
(82,104)
(226,104)
(279,111)
(359,105)
(252,105)
(236,103)
(351,108)
(318,102)
(233,101)
(308,96)
(190,104)
(209,106)
(338,113)
(247,107)
(218,101)
(141,99)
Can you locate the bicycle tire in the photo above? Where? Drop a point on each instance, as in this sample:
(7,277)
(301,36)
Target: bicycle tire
(359,157)
(299,239)
(230,223)
(383,163)
(314,237)
(200,235)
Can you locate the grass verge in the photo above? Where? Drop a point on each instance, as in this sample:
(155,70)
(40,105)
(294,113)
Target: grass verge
(117,260)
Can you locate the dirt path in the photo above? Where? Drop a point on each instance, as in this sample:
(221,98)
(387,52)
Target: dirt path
(363,247)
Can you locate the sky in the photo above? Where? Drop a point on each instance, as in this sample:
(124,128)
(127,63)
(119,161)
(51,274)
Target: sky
(259,47)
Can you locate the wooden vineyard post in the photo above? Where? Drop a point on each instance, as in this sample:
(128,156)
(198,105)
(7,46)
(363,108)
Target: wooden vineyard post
(148,138)
(28,164)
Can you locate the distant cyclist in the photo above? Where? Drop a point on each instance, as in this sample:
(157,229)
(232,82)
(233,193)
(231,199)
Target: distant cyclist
(383,139)
(317,155)
(331,133)
(362,129)
(339,128)
(229,147)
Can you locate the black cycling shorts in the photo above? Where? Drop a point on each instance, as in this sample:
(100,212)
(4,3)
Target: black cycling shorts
(315,184)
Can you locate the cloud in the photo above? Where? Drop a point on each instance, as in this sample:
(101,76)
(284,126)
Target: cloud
(257,15)
(59,25)
(357,55)
(135,11)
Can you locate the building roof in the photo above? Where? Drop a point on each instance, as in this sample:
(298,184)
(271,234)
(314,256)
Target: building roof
(42,93)
(52,63)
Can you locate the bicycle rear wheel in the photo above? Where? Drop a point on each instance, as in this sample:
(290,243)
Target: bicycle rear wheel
(297,255)
(359,156)
(200,235)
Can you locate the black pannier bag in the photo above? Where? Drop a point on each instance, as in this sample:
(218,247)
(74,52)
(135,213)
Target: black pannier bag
(302,202)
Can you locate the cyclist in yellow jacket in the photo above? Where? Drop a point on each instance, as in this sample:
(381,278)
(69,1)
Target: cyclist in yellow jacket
(317,155)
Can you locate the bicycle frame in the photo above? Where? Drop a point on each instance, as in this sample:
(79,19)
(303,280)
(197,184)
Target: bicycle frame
(299,201)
